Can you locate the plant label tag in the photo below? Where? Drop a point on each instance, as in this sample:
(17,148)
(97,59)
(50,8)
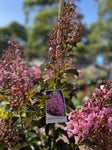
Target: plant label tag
(55,107)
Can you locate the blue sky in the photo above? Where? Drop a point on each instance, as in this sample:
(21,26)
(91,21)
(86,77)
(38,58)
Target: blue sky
(89,10)
(11,10)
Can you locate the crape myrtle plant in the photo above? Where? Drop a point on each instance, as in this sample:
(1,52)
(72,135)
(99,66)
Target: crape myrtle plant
(16,81)
(16,77)
(22,91)
(22,119)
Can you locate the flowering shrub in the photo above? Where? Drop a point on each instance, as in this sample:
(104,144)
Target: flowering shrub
(16,77)
(55,105)
(94,121)
(24,87)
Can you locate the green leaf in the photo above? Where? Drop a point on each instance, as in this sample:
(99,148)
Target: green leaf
(19,110)
(68,109)
(49,68)
(67,86)
(62,70)
(67,64)
(31,90)
(44,74)
(20,146)
(72,71)
(40,123)
(48,127)
(42,100)
(72,56)
(29,120)
(50,82)
(65,79)
(65,94)
(31,95)
(45,97)
(41,104)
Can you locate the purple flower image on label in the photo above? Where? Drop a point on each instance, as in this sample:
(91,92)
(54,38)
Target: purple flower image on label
(55,105)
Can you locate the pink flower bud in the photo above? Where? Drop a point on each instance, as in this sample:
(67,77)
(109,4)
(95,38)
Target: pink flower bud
(50,49)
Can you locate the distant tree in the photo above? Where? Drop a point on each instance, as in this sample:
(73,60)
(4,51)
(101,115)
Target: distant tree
(29,3)
(100,35)
(14,30)
(43,21)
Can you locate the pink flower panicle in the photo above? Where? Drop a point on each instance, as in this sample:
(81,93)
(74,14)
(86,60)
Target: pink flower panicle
(94,120)
(104,94)
(36,72)
(61,39)
(15,75)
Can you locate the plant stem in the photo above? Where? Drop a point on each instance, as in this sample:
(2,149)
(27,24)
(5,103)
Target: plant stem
(22,125)
(54,138)
(61,7)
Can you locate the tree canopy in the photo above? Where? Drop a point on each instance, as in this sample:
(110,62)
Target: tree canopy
(14,30)
(98,37)
(43,21)
(101,30)
(29,3)
(38,36)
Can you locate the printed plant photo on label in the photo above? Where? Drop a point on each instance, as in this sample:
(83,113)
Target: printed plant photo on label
(55,106)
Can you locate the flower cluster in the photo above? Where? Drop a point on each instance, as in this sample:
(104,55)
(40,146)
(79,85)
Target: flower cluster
(49,76)
(104,94)
(15,75)
(36,72)
(94,120)
(55,105)
(62,38)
